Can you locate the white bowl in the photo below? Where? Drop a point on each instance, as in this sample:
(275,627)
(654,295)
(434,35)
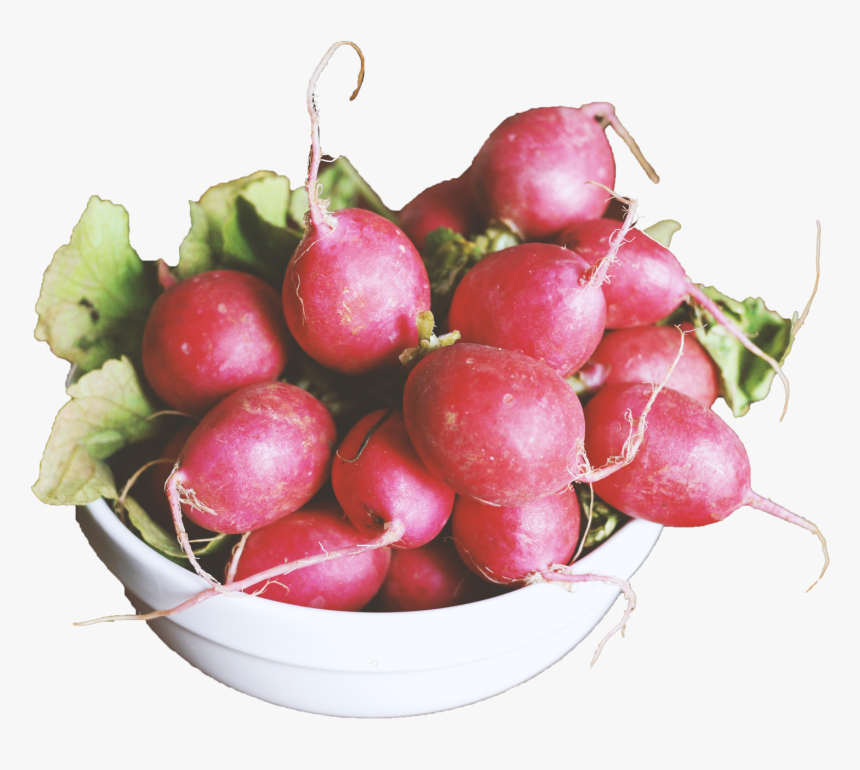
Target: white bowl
(357,664)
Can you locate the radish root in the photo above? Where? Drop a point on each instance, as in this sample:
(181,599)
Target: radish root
(177,495)
(317,209)
(795,327)
(769,506)
(560,573)
(120,503)
(596,274)
(391,535)
(605,113)
(235,555)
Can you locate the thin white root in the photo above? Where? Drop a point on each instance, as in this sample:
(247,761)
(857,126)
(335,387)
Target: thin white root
(795,328)
(596,275)
(588,524)
(234,559)
(120,503)
(177,496)
(635,437)
(560,573)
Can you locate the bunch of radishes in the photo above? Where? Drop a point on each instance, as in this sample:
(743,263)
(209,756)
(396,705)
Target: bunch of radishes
(463,483)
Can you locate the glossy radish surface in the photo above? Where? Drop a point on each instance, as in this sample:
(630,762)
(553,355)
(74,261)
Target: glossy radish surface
(494,425)
(532,298)
(212,334)
(388,481)
(340,584)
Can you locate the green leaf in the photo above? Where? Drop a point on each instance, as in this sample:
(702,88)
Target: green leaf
(166,543)
(605,519)
(745,378)
(345,188)
(95,296)
(448,256)
(241,225)
(663,231)
(108,410)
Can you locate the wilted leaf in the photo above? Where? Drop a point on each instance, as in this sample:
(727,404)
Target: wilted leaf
(663,231)
(108,410)
(95,295)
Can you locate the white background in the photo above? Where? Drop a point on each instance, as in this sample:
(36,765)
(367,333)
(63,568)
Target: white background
(747,110)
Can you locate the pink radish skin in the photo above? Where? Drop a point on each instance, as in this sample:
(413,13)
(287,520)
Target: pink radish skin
(340,584)
(212,334)
(429,578)
(388,481)
(494,425)
(645,353)
(447,204)
(532,298)
(260,454)
(532,171)
(505,545)
(527,544)
(647,283)
(691,468)
(355,285)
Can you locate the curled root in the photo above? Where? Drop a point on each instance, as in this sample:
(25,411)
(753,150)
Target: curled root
(120,503)
(769,506)
(235,555)
(391,535)
(635,437)
(560,573)
(795,327)
(177,496)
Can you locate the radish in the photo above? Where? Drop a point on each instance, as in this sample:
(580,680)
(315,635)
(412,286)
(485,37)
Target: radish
(532,298)
(260,454)
(647,283)
(525,544)
(355,284)
(378,477)
(209,335)
(429,578)
(691,468)
(531,173)
(644,354)
(447,204)
(340,584)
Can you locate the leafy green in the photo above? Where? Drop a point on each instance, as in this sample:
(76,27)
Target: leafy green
(744,377)
(241,225)
(344,187)
(166,543)
(108,410)
(95,295)
(663,231)
(448,256)
(605,519)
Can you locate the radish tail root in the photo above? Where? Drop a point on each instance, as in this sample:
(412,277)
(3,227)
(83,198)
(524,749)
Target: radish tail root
(708,304)
(391,535)
(560,573)
(587,525)
(634,438)
(795,327)
(605,112)
(176,495)
(120,503)
(597,273)
(317,208)
(768,506)
(236,554)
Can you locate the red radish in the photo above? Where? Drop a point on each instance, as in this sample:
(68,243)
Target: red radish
(260,454)
(647,282)
(524,544)
(355,285)
(339,584)
(691,468)
(447,204)
(381,478)
(494,425)
(429,578)
(644,354)
(210,335)
(532,298)
(532,171)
